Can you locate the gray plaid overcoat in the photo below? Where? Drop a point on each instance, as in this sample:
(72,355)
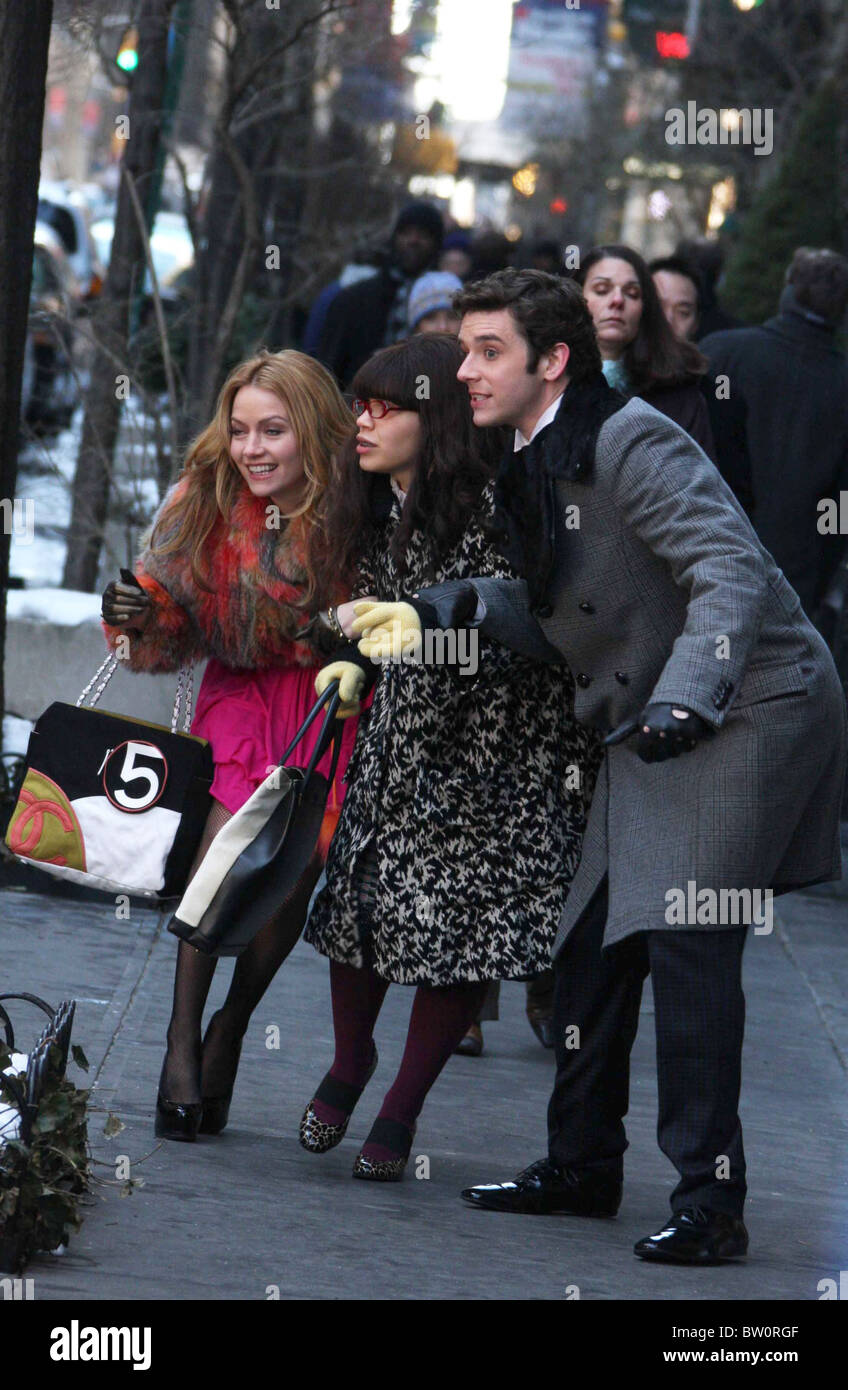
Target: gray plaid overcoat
(664,593)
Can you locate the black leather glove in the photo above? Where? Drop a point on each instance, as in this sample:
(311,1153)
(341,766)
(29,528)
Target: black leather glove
(126,605)
(665,731)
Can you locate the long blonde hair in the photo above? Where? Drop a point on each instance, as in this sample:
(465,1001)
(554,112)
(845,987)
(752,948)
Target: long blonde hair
(321,422)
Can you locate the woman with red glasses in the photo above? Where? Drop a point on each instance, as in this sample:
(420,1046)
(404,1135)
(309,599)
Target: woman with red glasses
(469,780)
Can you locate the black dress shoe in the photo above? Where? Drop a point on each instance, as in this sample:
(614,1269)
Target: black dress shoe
(696,1236)
(544,1189)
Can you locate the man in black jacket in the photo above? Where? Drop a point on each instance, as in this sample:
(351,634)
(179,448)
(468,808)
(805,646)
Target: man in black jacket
(373,313)
(778,404)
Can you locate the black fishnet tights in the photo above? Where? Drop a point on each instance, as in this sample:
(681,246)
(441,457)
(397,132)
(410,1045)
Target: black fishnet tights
(192,1068)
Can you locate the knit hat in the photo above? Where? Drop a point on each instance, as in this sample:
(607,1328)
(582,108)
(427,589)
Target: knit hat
(457,240)
(429,294)
(423,215)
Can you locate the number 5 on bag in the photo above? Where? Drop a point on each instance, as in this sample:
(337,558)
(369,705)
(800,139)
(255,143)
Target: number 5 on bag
(112,802)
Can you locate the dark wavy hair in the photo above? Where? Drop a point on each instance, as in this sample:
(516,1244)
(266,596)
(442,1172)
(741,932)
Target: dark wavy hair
(455,463)
(547,309)
(655,357)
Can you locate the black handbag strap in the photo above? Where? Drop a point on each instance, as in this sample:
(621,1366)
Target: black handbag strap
(331,732)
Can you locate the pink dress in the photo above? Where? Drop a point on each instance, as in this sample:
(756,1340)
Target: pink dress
(250,717)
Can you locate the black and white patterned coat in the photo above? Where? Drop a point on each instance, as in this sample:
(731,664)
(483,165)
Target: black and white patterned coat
(474,791)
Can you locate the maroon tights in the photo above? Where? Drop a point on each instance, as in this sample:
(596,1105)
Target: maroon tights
(440,1018)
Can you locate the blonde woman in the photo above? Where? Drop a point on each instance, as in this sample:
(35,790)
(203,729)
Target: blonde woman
(230,574)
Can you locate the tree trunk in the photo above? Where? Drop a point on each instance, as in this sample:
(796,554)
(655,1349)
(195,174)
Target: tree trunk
(24,37)
(111,318)
(230,235)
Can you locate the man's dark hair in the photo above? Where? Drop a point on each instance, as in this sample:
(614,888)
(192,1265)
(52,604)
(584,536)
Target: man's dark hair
(678,265)
(546,309)
(820,281)
(705,255)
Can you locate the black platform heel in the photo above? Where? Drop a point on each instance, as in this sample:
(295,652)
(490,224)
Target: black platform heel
(175,1120)
(215,1113)
(216,1109)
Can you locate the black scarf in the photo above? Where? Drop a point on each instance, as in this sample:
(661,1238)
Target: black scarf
(524,490)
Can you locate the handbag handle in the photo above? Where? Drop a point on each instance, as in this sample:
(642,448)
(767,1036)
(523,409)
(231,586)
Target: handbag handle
(331,731)
(7,1022)
(184,693)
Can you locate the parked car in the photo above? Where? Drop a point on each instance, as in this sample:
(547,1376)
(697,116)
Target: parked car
(171,247)
(66,210)
(49,389)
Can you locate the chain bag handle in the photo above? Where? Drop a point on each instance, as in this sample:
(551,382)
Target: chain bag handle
(183,697)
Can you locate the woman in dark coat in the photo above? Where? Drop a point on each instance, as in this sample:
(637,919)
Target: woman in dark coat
(468,785)
(641,355)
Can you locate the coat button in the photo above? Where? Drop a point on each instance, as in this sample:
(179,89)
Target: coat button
(586,607)
(545,611)
(583,680)
(622,677)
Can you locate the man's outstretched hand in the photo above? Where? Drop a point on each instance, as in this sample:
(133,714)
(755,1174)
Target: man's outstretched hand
(386,630)
(666,731)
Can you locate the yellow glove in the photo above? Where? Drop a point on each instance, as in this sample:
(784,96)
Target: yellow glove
(387,630)
(351,679)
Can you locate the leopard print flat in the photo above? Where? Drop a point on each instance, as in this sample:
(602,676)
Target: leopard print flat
(317,1135)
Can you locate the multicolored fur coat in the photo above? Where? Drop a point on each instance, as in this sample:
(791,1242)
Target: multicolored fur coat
(250,619)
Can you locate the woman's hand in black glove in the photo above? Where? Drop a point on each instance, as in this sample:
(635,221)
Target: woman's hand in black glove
(126,605)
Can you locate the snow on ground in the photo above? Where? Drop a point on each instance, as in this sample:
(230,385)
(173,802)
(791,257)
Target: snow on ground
(64,606)
(42,513)
(16,734)
(42,561)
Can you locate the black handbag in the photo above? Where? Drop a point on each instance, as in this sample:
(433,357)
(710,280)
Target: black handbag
(256,859)
(111,802)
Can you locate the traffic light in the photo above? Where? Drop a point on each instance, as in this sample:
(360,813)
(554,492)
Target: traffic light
(656,29)
(127,59)
(671,43)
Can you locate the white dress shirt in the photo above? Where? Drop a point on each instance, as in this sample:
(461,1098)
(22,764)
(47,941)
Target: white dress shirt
(544,419)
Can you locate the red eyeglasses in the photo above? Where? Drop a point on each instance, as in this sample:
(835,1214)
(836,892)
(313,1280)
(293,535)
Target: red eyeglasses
(376,409)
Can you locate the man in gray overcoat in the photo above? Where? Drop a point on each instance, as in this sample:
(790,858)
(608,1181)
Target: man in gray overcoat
(644,575)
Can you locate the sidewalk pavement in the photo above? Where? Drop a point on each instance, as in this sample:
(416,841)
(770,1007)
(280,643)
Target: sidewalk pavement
(251,1215)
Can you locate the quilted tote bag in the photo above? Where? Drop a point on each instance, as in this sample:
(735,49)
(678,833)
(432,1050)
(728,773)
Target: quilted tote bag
(111,802)
(256,859)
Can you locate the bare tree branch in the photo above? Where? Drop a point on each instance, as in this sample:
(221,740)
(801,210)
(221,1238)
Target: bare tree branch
(157,309)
